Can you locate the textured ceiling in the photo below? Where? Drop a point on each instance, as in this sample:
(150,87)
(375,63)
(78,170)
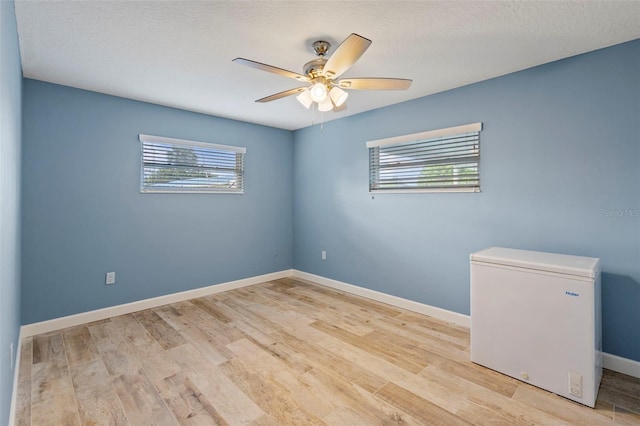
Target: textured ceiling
(179,53)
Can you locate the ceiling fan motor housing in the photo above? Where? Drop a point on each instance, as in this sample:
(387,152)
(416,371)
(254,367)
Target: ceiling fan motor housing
(314,68)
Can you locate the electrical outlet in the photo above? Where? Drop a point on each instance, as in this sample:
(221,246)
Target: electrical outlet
(575,384)
(11,356)
(324,255)
(110,278)
(275,252)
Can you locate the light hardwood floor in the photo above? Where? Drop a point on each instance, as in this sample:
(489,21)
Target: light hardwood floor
(282,353)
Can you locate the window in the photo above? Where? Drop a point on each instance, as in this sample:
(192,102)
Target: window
(444,160)
(176,165)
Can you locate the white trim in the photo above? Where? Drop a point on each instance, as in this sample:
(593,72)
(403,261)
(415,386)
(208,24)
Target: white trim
(127,308)
(410,305)
(426,189)
(621,365)
(149,138)
(16,372)
(431,134)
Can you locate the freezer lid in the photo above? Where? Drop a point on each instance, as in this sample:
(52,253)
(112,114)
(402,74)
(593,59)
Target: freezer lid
(541,261)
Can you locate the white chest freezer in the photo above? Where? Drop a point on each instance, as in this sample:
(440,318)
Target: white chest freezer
(537,317)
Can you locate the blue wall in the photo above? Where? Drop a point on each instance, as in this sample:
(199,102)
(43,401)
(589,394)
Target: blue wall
(10,126)
(560,170)
(83,214)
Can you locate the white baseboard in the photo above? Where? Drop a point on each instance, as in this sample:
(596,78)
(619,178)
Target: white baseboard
(621,365)
(127,308)
(410,305)
(16,372)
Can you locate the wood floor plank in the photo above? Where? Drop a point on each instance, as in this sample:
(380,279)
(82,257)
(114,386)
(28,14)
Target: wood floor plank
(265,420)
(516,411)
(221,332)
(339,394)
(621,390)
(348,396)
(482,416)
(51,371)
(136,335)
(283,318)
(97,401)
(234,406)
(345,416)
(556,405)
(161,365)
(252,295)
(118,356)
(275,399)
(53,401)
(420,335)
(242,313)
(198,338)
(625,417)
(164,334)
(304,396)
(362,303)
(406,359)
(418,407)
(435,324)
(23,398)
(187,402)
(321,356)
(79,346)
(364,359)
(49,348)
(216,311)
(621,383)
(317,310)
(392,415)
(254,333)
(293,359)
(482,376)
(140,400)
(341,304)
(285,352)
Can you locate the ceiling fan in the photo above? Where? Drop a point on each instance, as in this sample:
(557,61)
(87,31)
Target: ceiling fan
(321,75)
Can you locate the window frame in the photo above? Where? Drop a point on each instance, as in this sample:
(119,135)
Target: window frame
(184,143)
(408,140)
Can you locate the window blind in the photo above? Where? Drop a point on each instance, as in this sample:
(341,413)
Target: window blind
(438,160)
(178,165)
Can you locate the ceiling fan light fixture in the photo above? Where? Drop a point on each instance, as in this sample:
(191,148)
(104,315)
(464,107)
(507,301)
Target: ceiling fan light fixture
(305,98)
(325,105)
(338,96)
(321,75)
(318,92)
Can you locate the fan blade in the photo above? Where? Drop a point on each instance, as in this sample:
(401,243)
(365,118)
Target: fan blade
(375,83)
(346,55)
(270,68)
(282,94)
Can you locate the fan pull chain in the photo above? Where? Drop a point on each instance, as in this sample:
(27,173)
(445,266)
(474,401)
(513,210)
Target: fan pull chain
(313,117)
